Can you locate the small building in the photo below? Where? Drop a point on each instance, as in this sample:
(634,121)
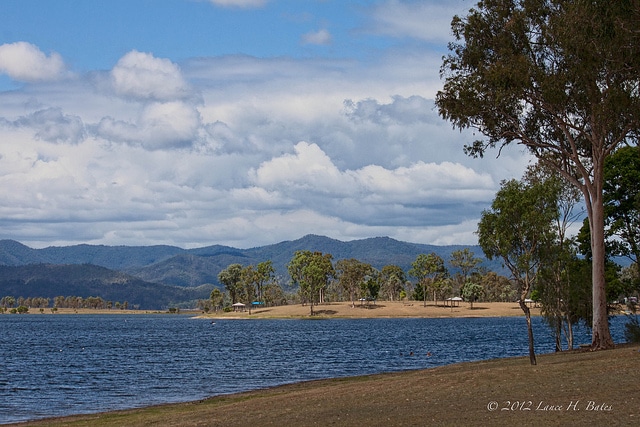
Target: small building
(453,302)
(239,306)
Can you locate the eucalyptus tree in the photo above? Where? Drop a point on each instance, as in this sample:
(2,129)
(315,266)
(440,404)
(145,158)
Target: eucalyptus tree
(311,271)
(248,287)
(559,77)
(517,229)
(428,269)
(466,262)
(352,275)
(216,298)
(264,274)
(472,291)
(231,278)
(392,281)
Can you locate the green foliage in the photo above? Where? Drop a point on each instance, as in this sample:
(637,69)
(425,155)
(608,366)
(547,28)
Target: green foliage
(622,201)
(353,276)
(311,271)
(519,228)
(392,281)
(466,262)
(370,288)
(430,271)
(497,288)
(231,278)
(560,78)
(216,298)
(472,292)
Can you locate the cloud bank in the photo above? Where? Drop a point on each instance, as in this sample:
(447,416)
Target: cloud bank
(240,150)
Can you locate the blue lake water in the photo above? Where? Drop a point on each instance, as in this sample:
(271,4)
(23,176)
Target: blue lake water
(71,364)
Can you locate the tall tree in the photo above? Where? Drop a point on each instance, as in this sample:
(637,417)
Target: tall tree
(311,271)
(216,298)
(517,229)
(249,285)
(497,288)
(466,262)
(559,77)
(427,269)
(392,279)
(352,274)
(231,278)
(265,274)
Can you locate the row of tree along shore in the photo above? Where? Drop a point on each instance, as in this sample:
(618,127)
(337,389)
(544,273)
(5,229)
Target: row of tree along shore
(10,304)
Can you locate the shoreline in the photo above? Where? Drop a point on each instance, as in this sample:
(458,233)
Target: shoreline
(333,310)
(487,392)
(382,309)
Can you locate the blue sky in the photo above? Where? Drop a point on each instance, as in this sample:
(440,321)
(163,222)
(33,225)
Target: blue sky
(237,122)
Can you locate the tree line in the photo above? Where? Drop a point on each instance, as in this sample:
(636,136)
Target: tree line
(7,303)
(315,278)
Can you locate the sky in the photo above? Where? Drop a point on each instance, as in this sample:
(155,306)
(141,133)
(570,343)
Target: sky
(233,122)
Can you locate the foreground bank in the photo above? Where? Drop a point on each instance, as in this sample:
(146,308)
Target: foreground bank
(571,388)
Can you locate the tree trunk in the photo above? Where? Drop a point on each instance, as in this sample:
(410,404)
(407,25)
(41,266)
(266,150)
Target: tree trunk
(527,315)
(601,336)
(424,295)
(558,332)
(569,334)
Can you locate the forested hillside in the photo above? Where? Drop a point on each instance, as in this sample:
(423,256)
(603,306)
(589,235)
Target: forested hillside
(50,281)
(158,276)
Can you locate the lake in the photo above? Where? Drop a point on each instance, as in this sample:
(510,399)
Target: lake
(53,365)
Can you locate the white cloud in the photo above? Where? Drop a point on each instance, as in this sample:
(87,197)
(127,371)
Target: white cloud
(239,3)
(320,37)
(309,169)
(25,62)
(428,21)
(243,151)
(373,194)
(159,126)
(141,75)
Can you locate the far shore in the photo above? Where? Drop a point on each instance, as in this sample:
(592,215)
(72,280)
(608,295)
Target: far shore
(381,309)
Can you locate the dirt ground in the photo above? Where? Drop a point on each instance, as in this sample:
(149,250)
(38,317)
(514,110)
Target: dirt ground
(337,309)
(383,309)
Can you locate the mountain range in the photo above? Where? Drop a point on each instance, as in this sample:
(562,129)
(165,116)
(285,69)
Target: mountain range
(171,271)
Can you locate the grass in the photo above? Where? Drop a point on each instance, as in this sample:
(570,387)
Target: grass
(582,388)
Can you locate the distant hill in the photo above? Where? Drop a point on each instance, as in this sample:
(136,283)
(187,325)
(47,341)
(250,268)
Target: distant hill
(171,265)
(113,257)
(154,277)
(49,281)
